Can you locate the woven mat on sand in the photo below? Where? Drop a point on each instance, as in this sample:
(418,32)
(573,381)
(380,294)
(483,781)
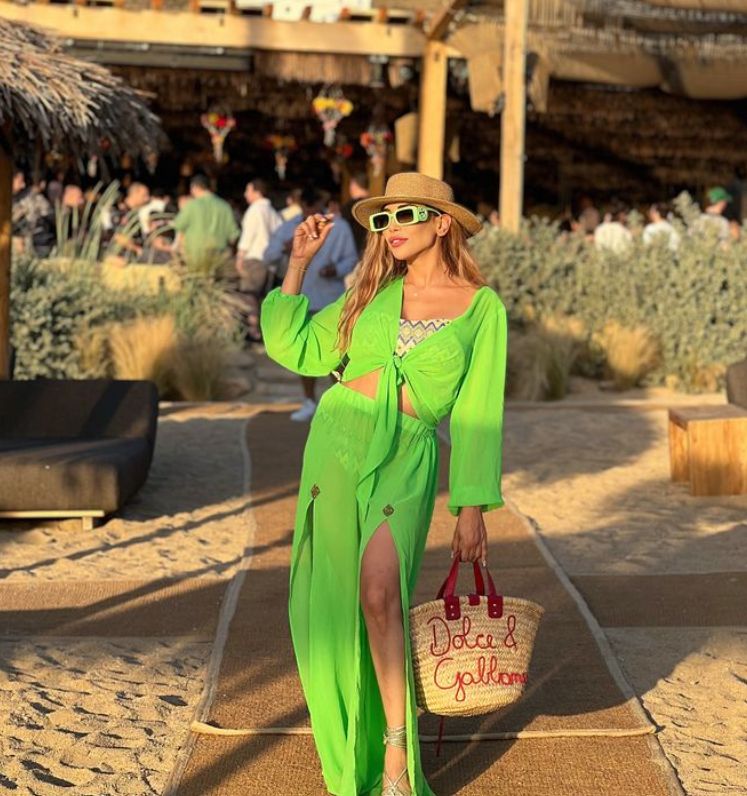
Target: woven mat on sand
(571,689)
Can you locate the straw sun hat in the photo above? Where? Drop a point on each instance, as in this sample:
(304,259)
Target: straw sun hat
(416,188)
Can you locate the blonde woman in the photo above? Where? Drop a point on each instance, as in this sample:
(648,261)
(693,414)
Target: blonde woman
(423,336)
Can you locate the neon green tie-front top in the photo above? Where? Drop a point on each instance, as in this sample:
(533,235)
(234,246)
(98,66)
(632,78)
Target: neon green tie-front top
(460,368)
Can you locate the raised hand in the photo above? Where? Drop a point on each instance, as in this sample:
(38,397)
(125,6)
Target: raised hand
(309,237)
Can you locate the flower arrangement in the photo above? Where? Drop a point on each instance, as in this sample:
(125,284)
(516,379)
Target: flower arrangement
(278,141)
(219,125)
(375,141)
(331,106)
(282,145)
(344,151)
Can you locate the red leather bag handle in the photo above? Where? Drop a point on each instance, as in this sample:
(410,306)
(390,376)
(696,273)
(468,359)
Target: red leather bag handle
(451,601)
(449,585)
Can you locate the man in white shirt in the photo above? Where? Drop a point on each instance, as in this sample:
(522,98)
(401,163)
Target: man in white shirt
(260,221)
(659,227)
(612,234)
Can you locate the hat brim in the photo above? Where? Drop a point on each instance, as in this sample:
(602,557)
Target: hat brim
(365,208)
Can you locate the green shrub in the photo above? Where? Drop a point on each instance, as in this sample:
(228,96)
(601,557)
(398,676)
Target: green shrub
(61,319)
(692,302)
(51,309)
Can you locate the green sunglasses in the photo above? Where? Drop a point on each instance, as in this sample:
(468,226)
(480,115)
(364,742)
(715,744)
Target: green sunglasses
(402,216)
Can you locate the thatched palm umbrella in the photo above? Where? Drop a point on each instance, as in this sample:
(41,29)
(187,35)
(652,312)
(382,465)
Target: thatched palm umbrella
(63,103)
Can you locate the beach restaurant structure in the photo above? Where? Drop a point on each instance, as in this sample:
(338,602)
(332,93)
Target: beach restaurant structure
(565,95)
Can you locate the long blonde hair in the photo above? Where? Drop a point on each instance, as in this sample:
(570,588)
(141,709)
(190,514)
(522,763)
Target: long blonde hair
(378,267)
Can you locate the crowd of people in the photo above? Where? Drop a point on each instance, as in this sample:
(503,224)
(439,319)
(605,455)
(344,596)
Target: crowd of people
(201,228)
(612,232)
(151,226)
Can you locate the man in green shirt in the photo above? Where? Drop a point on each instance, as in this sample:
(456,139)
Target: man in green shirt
(206,226)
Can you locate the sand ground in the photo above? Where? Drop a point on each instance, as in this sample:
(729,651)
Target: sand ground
(108,715)
(597,485)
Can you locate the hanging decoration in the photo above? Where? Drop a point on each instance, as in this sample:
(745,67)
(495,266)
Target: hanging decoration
(282,146)
(219,125)
(375,140)
(344,150)
(331,106)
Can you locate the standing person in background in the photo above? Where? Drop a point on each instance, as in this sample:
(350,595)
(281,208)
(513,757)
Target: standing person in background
(206,227)
(123,225)
(158,202)
(714,216)
(589,217)
(359,189)
(324,282)
(33,227)
(259,222)
(73,198)
(292,204)
(658,226)
(612,234)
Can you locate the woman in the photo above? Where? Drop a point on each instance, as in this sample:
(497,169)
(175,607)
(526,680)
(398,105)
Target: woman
(424,336)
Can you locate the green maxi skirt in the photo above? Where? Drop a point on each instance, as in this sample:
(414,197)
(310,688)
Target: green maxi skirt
(327,625)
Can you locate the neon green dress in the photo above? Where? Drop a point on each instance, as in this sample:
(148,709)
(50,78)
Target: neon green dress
(366,463)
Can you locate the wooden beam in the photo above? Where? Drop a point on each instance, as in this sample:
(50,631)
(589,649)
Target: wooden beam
(513,116)
(432,115)
(6,203)
(220,30)
(439,24)
(87,518)
(710,6)
(55,514)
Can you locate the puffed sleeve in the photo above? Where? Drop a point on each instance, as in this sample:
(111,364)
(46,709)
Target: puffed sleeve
(476,422)
(299,342)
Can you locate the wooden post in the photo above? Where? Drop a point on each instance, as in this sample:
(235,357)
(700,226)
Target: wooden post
(432,116)
(376,182)
(6,201)
(513,116)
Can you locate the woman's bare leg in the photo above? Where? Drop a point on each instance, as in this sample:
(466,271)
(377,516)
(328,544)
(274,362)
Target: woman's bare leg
(382,608)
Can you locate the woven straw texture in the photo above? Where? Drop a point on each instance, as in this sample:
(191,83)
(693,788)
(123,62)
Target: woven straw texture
(455,675)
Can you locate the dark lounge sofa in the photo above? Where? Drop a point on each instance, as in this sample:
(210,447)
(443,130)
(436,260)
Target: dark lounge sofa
(74,448)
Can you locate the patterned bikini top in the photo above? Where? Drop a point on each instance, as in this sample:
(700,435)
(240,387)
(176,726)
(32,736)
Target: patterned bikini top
(412,332)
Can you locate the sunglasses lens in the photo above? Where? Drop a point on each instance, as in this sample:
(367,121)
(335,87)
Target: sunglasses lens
(379,221)
(405,215)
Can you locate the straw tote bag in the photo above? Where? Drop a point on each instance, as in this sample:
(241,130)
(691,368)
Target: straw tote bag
(471,653)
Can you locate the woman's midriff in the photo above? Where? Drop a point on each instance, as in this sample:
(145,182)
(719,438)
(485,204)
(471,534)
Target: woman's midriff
(367,384)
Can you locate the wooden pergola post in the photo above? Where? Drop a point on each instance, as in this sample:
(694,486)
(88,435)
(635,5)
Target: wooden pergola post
(433,80)
(6,202)
(432,116)
(513,116)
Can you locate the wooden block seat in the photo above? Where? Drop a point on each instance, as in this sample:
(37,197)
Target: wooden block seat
(736,383)
(708,449)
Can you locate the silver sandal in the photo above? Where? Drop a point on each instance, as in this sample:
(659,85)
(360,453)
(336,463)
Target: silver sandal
(395,736)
